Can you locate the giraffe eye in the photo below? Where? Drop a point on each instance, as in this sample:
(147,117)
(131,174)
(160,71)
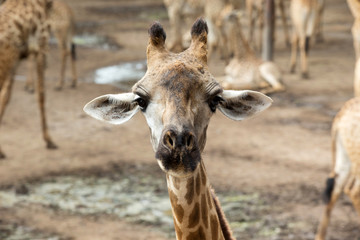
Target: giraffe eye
(142,103)
(214,102)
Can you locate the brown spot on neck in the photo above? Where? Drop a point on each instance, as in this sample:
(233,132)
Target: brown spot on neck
(194,218)
(178,210)
(199,234)
(190,190)
(197,184)
(204,211)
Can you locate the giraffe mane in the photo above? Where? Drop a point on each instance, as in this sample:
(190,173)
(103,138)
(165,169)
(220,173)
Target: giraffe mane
(225,228)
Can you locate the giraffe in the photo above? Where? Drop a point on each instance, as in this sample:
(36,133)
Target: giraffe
(345,174)
(62,24)
(354,6)
(178,96)
(304,15)
(245,70)
(23,29)
(258,6)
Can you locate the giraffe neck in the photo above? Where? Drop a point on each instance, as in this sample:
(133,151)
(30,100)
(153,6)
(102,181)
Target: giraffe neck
(242,48)
(194,207)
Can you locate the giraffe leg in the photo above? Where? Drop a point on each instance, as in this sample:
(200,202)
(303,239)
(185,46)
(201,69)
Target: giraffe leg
(319,37)
(271,76)
(357,79)
(352,189)
(63,54)
(340,176)
(321,232)
(356,41)
(29,85)
(73,65)
(294,46)
(303,57)
(5,94)
(283,18)
(40,61)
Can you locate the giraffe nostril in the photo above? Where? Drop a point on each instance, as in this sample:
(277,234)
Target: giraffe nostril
(169,140)
(190,141)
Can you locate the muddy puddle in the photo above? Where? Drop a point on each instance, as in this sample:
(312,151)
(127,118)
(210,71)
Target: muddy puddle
(123,75)
(18,232)
(143,199)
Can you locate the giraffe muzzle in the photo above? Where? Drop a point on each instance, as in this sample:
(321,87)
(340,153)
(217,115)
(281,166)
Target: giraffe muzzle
(178,151)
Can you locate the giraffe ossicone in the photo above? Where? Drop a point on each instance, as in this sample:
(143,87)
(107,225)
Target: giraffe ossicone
(178,96)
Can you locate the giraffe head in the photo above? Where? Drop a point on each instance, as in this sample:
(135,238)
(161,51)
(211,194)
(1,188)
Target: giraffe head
(178,95)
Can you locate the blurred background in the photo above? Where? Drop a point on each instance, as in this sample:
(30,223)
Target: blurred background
(104,182)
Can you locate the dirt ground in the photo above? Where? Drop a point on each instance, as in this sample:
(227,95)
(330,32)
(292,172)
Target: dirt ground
(283,154)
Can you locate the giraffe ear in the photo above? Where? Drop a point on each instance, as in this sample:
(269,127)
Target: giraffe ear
(113,108)
(239,105)
(199,32)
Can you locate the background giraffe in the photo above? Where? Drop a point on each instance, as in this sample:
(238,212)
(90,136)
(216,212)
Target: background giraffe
(345,175)
(23,30)
(62,24)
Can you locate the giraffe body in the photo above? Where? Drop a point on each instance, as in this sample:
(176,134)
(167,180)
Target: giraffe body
(23,30)
(345,175)
(178,96)
(245,70)
(62,25)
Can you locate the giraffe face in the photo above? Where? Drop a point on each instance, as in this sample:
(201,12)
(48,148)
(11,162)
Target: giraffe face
(178,109)
(177,96)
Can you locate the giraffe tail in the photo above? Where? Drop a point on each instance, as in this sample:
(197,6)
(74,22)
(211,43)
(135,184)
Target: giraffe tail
(330,183)
(73,51)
